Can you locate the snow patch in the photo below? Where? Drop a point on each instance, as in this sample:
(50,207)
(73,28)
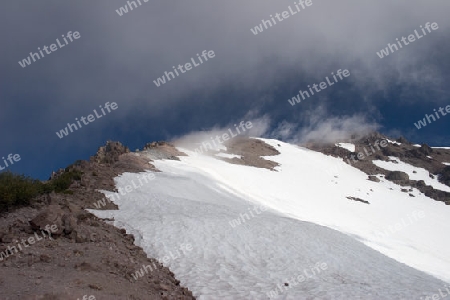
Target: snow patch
(394,142)
(349,146)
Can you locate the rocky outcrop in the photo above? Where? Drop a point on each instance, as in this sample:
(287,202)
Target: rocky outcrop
(161,150)
(444,176)
(85,255)
(422,157)
(358,200)
(251,152)
(373,178)
(397,176)
(110,153)
(52,215)
(425,149)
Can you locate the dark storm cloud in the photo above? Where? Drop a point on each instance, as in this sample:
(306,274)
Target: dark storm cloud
(118,57)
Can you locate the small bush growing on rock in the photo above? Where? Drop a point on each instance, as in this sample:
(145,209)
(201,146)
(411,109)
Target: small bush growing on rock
(63,182)
(19,190)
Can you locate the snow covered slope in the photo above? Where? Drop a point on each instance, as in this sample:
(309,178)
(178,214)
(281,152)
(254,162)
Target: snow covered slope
(243,252)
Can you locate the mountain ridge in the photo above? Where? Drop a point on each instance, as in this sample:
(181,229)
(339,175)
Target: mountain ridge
(80,230)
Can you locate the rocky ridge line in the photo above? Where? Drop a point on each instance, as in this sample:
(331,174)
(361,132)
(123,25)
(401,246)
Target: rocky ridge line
(86,256)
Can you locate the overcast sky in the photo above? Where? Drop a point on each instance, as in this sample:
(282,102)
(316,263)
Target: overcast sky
(251,76)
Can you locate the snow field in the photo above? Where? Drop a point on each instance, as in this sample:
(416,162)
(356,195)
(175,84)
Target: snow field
(192,201)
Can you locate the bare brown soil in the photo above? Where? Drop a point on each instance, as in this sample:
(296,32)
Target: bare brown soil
(86,256)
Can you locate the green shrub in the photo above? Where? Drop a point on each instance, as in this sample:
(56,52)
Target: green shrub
(62,182)
(19,190)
